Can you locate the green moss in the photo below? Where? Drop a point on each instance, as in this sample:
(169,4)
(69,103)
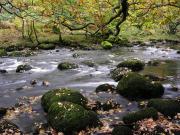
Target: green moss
(118,73)
(122,130)
(62,94)
(140,115)
(135,86)
(2,52)
(67,117)
(168,107)
(21,53)
(67,65)
(47,46)
(106,45)
(134,65)
(105,87)
(22,68)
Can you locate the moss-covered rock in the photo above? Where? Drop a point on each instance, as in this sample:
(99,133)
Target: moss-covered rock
(89,63)
(154,63)
(168,107)
(24,53)
(122,130)
(118,73)
(106,45)
(67,65)
(105,88)
(140,115)
(60,95)
(134,64)
(68,117)
(135,86)
(22,68)
(3,52)
(47,46)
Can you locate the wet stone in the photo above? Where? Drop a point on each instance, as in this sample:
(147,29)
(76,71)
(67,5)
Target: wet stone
(2,71)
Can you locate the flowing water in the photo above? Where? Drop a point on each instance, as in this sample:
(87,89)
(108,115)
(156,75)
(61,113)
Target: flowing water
(84,78)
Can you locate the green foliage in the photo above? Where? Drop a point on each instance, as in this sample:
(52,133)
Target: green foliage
(47,46)
(67,117)
(60,95)
(140,115)
(3,52)
(135,86)
(122,130)
(67,65)
(134,65)
(168,107)
(106,45)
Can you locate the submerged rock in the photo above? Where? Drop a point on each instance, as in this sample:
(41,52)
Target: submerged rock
(118,73)
(61,95)
(154,63)
(134,64)
(106,45)
(22,68)
(135,86)
(3,71)
(168,107)
(105,88)
(68,117)
(140,115)
(122,130)
(67,65)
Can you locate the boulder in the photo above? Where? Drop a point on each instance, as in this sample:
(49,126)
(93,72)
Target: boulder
(61,95)
(68,117)
(140,115)
(168,107)
(134,64)
(22,68)
(106,45)
(105,88)
(135,86)
(118,73)
(67,65)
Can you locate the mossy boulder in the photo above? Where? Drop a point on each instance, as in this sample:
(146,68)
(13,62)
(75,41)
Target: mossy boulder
(47,46)
(122,130)
(140,115)
(25,53)
(106,45)
(134,64)
(105,88)
(118,73)
(168,107)
(3,52)
(67,65)
(22,68)
(61,95)
(68,117)
(135,86)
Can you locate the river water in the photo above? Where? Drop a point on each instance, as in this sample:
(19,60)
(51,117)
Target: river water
(84,78)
